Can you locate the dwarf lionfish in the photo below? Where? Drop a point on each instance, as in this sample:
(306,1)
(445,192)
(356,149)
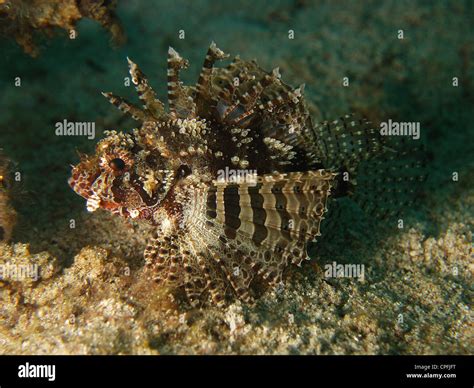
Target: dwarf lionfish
(234,175)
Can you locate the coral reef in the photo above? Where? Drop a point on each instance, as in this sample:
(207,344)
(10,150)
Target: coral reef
(8,215)
(23,19)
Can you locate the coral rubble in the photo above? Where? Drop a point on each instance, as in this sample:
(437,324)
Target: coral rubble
(23,19)
(7,213)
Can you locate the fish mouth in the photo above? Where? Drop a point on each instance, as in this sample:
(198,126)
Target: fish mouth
(81,183)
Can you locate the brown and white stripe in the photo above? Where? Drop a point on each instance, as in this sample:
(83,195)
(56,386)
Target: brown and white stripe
(126,107)
(285,209)
(203,85)
(145,92)
(177,98)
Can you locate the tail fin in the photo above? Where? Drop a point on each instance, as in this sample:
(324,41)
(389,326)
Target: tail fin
(391,185)
(344,143)
(380,181)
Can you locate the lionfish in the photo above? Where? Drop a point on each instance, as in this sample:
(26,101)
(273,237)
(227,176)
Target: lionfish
(233,175)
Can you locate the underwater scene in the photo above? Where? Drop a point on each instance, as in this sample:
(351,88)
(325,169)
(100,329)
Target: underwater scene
(236,177)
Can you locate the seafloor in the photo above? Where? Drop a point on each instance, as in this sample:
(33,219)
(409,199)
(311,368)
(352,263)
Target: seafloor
(90,299)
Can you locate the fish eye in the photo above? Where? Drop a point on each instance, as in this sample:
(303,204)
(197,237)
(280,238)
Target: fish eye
(183,171)
(117,164)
